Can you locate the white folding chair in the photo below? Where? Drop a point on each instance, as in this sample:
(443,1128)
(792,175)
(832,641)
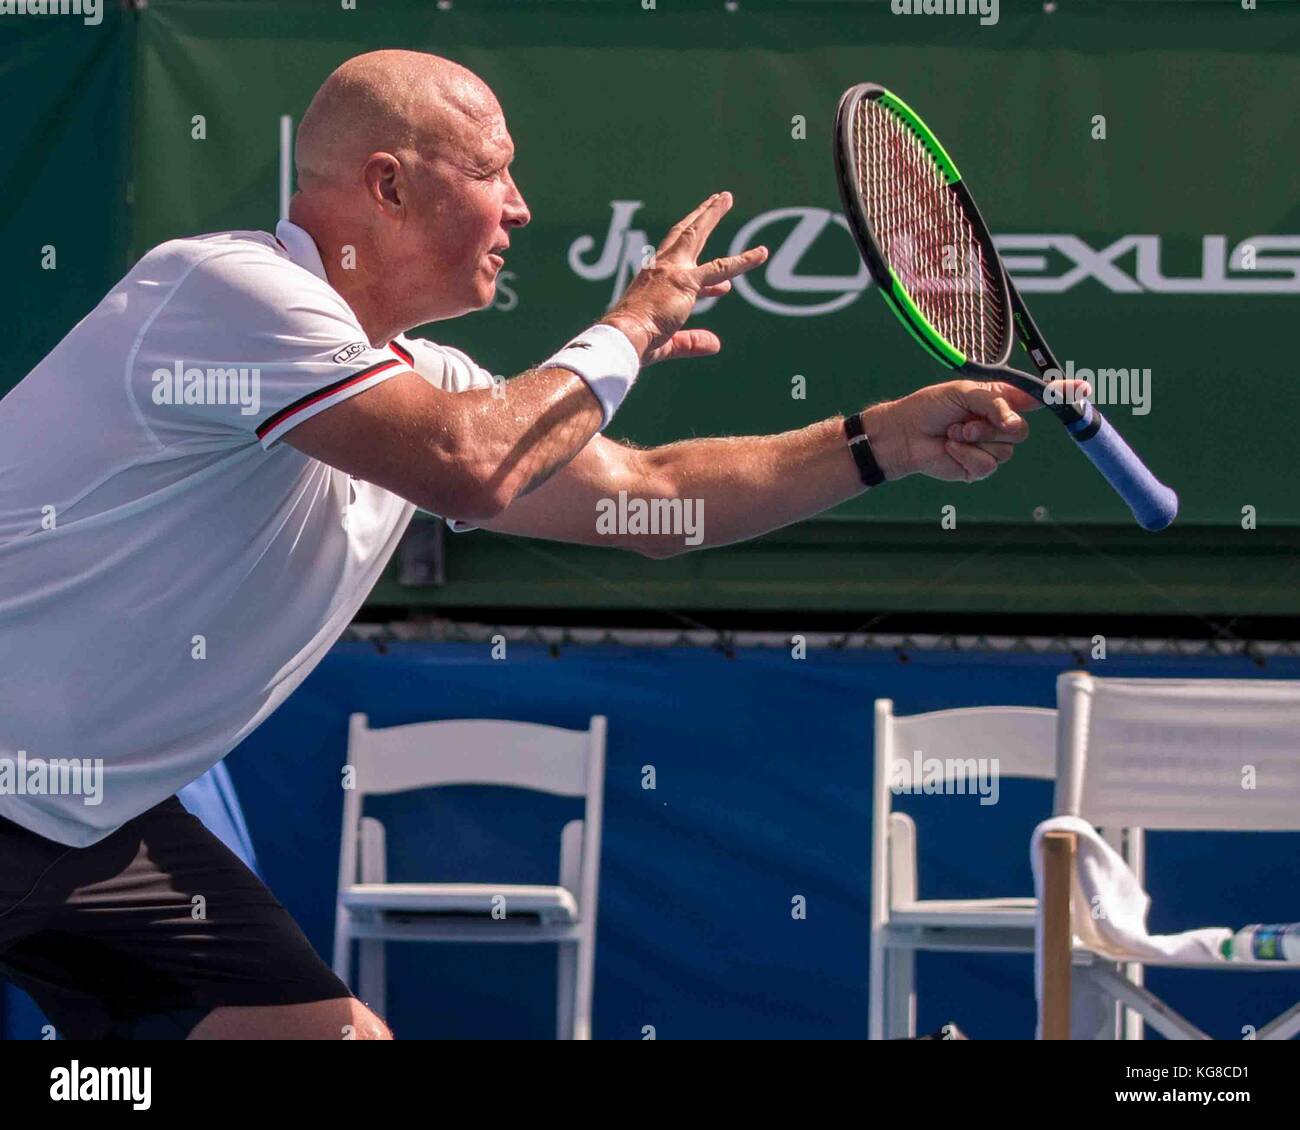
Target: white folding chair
(1023,740)
(1171,754)
(372,911)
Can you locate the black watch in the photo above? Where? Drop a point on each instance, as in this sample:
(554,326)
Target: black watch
(856,434)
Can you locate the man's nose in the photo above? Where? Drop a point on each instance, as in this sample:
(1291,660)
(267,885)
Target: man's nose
(517,213)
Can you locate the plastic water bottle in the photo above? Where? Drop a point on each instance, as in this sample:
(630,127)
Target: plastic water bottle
(1264,943)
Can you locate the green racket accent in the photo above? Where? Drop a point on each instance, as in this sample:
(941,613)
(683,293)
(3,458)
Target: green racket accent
(918,127)
(907,325)
(918,325)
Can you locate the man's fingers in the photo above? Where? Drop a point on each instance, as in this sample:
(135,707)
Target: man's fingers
(982,431)
(695,343)
(1018,400)
(717,290)
(718,270)
(689,234)
(1000,451)
(1002,416)
(686,343)
(975,459)
(674,232)
(1072,390)
(996,402)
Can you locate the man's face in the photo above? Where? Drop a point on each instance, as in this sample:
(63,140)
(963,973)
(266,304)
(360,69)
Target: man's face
(466,208)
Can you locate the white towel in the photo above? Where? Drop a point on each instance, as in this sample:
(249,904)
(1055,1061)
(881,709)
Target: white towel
(1108,907)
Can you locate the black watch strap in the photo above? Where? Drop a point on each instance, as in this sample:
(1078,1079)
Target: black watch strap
(868,469)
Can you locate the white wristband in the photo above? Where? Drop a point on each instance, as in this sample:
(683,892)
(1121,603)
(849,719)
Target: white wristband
(604,358)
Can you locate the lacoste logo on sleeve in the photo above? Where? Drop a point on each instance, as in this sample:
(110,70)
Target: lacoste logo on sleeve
(578,345)
(343,356)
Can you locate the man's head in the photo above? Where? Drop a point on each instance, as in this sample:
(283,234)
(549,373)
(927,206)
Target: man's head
(404,156)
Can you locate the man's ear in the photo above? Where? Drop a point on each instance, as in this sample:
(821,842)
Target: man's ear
(384,176)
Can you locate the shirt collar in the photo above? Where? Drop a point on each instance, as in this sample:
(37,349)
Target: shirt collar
(303,251)
(301,247)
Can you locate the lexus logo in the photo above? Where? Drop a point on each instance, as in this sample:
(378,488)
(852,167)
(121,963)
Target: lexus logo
(1131,264)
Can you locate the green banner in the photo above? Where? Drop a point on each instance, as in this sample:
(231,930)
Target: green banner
(1136,160)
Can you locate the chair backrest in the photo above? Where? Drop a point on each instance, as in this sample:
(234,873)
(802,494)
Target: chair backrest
(1021,738)
(525,755)
(1190,754)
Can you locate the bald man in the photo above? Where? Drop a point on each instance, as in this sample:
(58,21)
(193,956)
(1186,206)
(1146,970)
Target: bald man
(201,483)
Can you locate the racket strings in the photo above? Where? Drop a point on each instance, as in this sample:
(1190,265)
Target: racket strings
(926,236)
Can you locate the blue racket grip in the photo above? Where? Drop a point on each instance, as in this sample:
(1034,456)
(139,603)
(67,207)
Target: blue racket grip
(1154,505)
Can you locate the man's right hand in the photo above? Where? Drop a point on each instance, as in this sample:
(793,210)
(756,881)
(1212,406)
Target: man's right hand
(957,431)
(660,298)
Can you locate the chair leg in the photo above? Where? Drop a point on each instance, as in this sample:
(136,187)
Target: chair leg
(1134,973)
(584,990)
(1058,850)
(1158,1014)
(876,989)
(1094,1013)
(342,949)
(900,979)
(566,984)
(1283,1028)
(372,981)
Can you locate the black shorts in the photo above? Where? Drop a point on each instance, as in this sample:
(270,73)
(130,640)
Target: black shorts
(144,933)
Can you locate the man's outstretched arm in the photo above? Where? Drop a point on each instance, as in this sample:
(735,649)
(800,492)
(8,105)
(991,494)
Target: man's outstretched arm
(748,485)
(474,454)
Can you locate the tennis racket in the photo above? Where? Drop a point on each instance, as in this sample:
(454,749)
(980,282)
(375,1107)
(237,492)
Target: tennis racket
(933,258)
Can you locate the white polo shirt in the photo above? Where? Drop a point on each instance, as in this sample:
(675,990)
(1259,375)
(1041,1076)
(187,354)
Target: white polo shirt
(169,570)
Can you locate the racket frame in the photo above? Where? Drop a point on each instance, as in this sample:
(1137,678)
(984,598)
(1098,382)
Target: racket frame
(1020,324)
(1153,504)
